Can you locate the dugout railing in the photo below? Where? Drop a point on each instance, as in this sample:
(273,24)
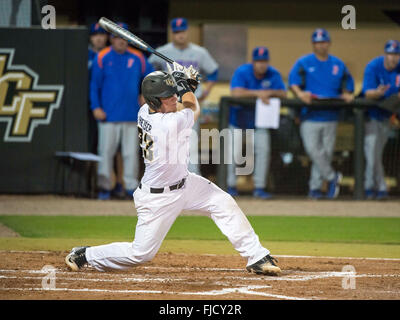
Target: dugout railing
(358,107)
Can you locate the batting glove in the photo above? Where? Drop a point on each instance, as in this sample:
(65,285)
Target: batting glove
(178,72)
(194,78)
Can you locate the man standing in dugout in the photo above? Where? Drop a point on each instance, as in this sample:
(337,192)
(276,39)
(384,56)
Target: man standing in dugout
(167,187)
(381,80)
(256,79)
(319,75)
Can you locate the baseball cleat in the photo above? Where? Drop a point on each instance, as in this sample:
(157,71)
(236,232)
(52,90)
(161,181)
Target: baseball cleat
(334,186)
(369,194)
(233,191)
(382,195)
(261,194)
(104,195)
(76,259)
(265,266)
(118,191)
(315,194)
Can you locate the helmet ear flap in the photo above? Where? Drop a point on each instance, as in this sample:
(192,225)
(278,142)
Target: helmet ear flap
(153,102)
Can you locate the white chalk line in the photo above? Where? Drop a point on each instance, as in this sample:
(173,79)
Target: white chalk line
(83,290)
(325,257)
(217,283)
(316,276)
(190,269)
(305,276)
(246,290)
(102,280)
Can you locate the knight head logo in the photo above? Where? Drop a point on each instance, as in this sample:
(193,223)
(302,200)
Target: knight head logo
(24,104)
(169,82)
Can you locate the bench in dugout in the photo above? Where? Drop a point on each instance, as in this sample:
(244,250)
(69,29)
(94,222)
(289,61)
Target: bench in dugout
(79,174)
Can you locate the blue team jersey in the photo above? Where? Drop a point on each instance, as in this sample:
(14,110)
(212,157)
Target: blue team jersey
(244,117)
(115,83)
(376,74)
(324,79)
(91,57)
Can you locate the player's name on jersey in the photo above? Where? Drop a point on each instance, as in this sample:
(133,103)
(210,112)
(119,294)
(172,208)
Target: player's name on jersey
(144,124)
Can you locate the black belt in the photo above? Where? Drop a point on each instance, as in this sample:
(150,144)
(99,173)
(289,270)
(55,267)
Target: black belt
(161,190)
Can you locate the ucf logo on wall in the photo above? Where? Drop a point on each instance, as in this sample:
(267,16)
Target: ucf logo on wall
(24,104)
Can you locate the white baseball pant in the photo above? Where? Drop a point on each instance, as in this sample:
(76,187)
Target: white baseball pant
(319,139)
(157,213)
(376,137)
(262,156)
(111,135)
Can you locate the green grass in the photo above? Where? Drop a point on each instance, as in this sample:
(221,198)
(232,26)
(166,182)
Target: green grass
(292,229)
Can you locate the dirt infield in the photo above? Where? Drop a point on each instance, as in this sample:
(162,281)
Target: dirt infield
(284,206)
(7,232)
(178,276)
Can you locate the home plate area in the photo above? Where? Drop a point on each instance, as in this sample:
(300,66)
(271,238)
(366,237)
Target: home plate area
(43,275)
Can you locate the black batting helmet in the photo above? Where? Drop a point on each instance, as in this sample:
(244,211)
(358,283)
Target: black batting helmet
(158,84)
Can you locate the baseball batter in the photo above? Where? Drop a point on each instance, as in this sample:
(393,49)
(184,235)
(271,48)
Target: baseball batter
(167,187)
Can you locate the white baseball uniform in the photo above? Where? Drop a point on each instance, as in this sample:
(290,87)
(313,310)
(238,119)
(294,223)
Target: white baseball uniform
(166,189)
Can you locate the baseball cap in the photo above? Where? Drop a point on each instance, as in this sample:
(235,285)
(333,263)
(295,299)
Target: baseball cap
(95,28)
(179,24)
(320,35)
(392,46)
(123,25)
(260,53)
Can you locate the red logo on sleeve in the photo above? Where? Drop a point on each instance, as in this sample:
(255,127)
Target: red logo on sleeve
(130,62)
(335,70)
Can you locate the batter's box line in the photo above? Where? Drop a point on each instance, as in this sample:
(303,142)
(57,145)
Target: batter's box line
(345,258)
(246,291)
(146,267)
(304,274)
(123,280)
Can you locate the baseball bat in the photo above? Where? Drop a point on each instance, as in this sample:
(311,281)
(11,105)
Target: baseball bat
(118,31)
